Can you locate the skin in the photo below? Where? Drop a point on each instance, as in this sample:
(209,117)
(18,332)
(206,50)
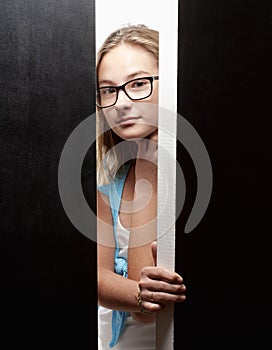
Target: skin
(114,70)
(135,121)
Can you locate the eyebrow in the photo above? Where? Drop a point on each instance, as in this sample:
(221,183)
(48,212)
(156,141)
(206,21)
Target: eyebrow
(129,77)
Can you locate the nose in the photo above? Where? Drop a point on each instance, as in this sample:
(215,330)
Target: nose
(123,101)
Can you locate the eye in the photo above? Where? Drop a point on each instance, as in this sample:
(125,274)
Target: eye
(107,91)
(139,84)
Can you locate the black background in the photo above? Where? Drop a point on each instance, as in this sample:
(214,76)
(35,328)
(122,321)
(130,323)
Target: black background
(225,92)
(48,269)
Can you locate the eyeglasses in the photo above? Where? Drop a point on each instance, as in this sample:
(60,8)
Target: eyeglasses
(135,89)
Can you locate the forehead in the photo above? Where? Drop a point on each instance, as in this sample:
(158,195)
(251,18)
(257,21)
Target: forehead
(124,60)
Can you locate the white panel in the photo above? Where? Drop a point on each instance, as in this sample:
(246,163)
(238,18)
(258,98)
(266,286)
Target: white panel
(167,161)
(162,16)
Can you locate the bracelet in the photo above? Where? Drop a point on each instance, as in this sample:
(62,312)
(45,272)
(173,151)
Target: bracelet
(139,302)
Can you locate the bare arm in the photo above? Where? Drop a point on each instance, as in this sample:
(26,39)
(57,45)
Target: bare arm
(159,286)
(144,218)
(114,291)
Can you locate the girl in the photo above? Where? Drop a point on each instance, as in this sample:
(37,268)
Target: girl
(131,288)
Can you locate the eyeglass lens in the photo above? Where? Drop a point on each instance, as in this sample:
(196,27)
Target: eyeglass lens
(136,89)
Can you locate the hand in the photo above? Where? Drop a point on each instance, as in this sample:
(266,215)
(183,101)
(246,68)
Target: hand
(160,286)
(154,136)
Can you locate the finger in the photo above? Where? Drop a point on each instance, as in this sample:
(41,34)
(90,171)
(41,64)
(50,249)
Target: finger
(166,298)
(162,274)
(154,136)
(154,252)
(160,299)
(153,307)
(153,286)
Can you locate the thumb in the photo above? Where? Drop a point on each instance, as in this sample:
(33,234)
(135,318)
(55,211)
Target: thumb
(154,136)
(154,252)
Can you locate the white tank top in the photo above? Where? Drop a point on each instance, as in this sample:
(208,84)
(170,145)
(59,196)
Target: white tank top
(137,335)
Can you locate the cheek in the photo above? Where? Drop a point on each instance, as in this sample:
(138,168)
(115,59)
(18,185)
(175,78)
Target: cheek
(150,113)
(108,117)
(155,98)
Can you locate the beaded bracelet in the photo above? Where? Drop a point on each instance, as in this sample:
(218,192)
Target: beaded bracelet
(139,302)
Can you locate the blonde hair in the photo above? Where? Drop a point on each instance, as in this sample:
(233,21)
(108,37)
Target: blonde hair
(108,163)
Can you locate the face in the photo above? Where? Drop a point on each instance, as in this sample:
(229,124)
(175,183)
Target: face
(130,119)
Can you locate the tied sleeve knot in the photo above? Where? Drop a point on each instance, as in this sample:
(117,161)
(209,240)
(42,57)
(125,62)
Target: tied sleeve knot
(121,266)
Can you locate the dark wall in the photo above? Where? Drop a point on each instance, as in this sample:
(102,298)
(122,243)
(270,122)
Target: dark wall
(48,268)
(225,92)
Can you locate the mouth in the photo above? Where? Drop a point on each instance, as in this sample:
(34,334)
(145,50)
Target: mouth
(128,120)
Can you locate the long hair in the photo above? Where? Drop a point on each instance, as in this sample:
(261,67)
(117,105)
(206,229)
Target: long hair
(108,163)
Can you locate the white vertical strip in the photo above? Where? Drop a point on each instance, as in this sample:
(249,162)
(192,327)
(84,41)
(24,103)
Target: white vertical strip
(167,161)
(163,16)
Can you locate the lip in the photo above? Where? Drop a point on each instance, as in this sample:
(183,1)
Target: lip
(127,120)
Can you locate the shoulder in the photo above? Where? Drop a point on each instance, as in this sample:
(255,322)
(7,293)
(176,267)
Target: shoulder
(116,183)
(103,189)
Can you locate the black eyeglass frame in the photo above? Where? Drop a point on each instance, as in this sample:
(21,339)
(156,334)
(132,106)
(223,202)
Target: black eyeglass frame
(122,87)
